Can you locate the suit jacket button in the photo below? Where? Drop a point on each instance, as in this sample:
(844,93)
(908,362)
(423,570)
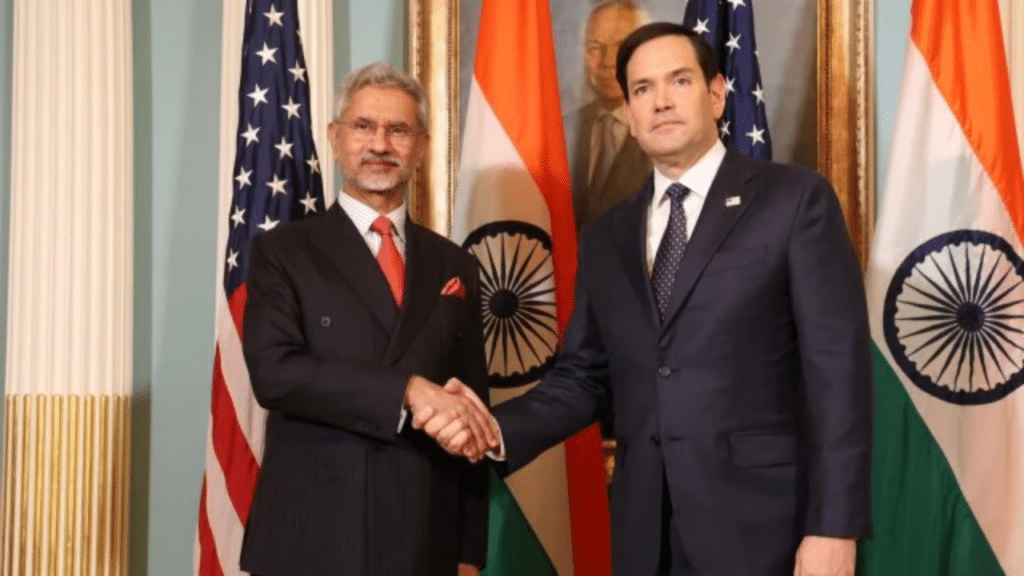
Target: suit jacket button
(325,321)
(664,371)
(655,440)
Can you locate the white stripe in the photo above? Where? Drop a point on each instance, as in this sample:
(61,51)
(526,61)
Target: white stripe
(494,183)
(252,417)
(936,184)
(225,525)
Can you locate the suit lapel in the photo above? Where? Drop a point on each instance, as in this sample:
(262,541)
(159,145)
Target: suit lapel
(631,240)
(424,275)
(342,244)
(734,179)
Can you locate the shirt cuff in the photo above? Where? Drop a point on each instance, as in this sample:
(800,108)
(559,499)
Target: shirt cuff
(405,414)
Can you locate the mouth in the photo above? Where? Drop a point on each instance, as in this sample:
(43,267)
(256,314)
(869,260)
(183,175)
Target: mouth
(665,124)
(378,163)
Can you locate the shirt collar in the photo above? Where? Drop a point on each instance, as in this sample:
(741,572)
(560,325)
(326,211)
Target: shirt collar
(362,215)
(698,178)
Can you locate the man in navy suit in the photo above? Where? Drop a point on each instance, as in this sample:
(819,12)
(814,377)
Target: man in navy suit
(352,318)
(721,307)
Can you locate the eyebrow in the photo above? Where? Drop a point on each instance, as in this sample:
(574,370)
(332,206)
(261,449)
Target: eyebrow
(672,74)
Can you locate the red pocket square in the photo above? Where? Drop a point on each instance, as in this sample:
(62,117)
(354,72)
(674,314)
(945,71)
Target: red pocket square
(454,287)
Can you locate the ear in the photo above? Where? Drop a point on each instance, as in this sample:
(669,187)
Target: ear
(717,89)
(334,136)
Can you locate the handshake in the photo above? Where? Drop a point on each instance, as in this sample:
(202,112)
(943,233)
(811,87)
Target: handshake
(454,416)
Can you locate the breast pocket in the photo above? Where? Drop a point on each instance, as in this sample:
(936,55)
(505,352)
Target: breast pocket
(735,258)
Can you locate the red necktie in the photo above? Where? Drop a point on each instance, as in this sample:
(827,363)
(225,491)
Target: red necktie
(389,258)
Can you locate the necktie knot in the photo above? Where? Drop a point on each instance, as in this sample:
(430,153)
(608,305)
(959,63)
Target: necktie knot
(383,226)
(676,192)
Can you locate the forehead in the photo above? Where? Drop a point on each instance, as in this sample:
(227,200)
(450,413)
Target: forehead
(660,56)
(612,22)
(382,103)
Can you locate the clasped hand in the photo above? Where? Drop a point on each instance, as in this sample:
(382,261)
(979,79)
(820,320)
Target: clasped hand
(454,416)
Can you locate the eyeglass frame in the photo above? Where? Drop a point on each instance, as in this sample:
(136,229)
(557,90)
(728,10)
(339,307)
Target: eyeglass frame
(393,131)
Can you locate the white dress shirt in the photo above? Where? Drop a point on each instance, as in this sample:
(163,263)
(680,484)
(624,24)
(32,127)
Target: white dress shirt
(362,215)
(698,179)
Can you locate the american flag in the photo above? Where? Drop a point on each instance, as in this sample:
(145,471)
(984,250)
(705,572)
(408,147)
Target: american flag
(276,179)
(729,26)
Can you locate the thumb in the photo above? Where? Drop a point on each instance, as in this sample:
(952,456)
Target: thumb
(453,385)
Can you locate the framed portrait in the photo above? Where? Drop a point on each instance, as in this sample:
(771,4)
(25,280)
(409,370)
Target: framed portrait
(815,58)
(816,64)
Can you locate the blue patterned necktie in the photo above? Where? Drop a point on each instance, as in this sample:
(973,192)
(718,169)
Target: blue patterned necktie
(671,250)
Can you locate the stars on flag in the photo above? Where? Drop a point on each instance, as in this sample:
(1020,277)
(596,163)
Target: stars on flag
(284,147)
(232,259)
(309,203)
(268,224)
(733,43)
(292,108)
(238,216)
(298,72)
(250,135)
(267,54)
(758,94)
(756,135)
(243,177)
(730,31)
(277,177)
(274,17)
(277,185)
(258,95)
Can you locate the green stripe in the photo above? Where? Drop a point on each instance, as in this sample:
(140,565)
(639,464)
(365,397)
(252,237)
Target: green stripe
(512,547)
(922,524)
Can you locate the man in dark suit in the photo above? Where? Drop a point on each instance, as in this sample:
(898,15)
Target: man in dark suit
(352,317)
(608,165)
(722,308)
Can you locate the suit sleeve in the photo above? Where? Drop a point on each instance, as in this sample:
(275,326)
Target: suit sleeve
(474,478)
(830,312)
(361,397)
(568,397)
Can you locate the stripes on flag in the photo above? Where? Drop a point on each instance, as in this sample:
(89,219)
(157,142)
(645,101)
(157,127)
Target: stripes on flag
(514,211)
(729,28)
(946,298)
(276,179)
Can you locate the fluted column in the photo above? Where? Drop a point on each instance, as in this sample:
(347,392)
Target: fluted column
(69,331)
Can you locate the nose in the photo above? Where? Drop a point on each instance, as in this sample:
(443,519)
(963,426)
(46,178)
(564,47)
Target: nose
(379,142)
(662,100)
(608,54)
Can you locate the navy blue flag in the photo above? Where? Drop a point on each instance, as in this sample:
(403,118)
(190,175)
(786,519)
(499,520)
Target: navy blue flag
(277,172)
(729,27)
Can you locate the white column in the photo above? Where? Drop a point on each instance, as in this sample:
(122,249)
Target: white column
(69,331)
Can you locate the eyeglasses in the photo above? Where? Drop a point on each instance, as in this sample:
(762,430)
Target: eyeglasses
(398,132)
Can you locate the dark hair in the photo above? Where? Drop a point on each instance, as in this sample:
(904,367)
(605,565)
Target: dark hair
(706,57)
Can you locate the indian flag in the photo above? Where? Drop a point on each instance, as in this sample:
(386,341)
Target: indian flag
(513,210)
(946,292)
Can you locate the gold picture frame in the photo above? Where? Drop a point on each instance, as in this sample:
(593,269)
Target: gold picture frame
(845,111)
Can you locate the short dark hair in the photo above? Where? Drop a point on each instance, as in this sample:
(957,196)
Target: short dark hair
(706,57)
